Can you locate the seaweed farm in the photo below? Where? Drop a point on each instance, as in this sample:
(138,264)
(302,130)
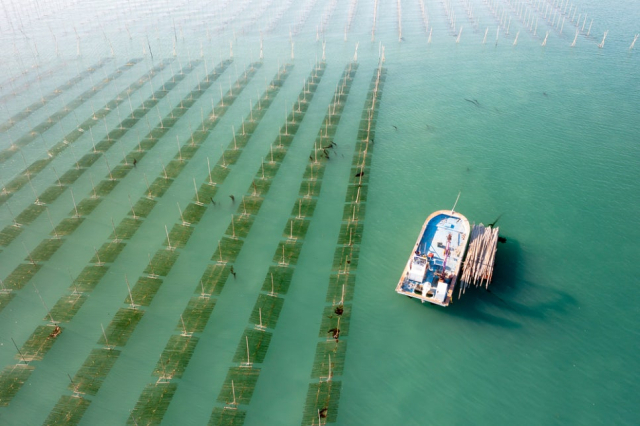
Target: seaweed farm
(205,208)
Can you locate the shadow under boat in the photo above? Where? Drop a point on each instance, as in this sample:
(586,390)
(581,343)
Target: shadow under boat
(499,304)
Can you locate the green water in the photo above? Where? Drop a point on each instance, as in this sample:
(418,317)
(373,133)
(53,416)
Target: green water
(551,149)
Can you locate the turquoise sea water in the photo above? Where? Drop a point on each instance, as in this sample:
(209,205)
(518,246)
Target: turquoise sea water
(552,149)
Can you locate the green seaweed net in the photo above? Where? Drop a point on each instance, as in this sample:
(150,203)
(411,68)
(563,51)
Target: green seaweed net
(266,311)
(152,404)
(38,344)
(277,280)
(244,382)
(11,380)
(175,357)
(68,411)
(213,280)
(195,315)
(325,351)
(94,370)
(322,403)
(227,417)
(256,342)
(121,327)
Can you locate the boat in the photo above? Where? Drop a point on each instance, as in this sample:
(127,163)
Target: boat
(434,265)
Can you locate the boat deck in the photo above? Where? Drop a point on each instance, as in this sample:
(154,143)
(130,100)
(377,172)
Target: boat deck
(424,277)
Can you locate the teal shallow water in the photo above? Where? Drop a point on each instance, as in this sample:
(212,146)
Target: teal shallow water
(552,148)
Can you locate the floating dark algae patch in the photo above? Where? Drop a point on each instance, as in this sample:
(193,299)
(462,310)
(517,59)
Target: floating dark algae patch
(94,370)
(11,380)
(227,417)
(68,410)
(175,357)
(335,317)
(38,344)
(152,404)
(121,327)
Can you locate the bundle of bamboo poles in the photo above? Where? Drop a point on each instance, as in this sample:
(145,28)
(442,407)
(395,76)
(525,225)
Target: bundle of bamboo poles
(478,266)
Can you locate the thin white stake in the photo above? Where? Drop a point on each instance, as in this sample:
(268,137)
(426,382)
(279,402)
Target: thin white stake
(168,240)
(273,293)
(106,341)
(197,196)
(133,306)
(99,263)
(209,169)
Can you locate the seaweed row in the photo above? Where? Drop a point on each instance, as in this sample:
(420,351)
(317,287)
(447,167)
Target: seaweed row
(154,401)
(23,273)
(31,75)
(52,95)
(24,177)
(54,118)
(42,339)
(86,380)
(252,348)
(323,394)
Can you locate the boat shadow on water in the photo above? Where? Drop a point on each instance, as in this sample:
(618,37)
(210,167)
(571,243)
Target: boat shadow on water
(511,301)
